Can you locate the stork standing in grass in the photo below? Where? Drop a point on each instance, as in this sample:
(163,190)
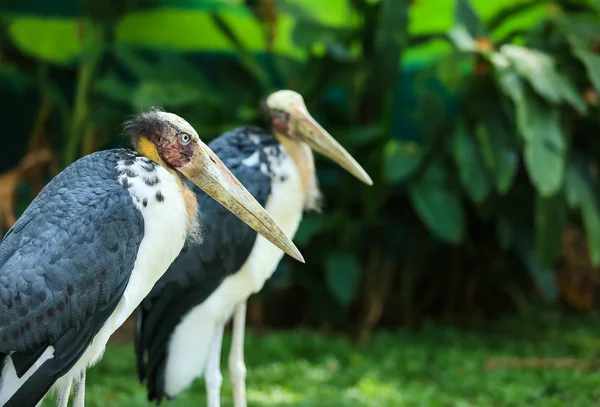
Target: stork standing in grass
(180,324)
(93,243)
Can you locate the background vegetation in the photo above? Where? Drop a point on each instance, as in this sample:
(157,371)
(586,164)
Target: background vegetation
(477,120)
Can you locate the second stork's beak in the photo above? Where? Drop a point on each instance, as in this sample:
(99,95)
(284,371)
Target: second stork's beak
(209,173)
(311,132)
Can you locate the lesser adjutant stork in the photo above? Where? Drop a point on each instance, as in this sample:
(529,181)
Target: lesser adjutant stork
(92,244)
(180,324)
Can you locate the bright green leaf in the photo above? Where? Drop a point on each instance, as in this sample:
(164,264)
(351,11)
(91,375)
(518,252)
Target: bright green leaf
(401,159)
(470,164)
(550,221)
(438,203)
(342,273)
(54,40)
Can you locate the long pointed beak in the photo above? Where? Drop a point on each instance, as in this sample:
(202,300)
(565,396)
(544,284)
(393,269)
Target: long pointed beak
(209,173)
(321,141)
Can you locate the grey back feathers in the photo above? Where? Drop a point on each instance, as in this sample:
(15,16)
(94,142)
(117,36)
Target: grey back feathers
(65,264)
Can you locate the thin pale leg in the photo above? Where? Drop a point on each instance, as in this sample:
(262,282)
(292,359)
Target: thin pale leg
(62,400)
(79,390)
(237,367)
(213,376)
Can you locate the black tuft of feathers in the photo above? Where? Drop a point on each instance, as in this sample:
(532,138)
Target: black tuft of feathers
(148,123)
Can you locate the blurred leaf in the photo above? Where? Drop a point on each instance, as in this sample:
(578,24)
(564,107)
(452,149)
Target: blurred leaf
(510,10)
(451,70)
(462,39)
(537,68)
(115,89)
(438,203)
(313,225)
(342,273)
(172,94)
(358,136)
(570,94)
(500,154)
(545,153)
(400,159)
(15,79)
(54,40)
(550,221)
(465,15)
(592,64)
(470,165)
(390,39)
(543,277)
(246,57)
(308,33)
(580,194)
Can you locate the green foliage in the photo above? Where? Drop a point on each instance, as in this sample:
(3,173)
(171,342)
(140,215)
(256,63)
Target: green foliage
(395,369)
(477,124)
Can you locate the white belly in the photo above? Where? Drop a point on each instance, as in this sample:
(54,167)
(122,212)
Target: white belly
(165,230)
(188,348)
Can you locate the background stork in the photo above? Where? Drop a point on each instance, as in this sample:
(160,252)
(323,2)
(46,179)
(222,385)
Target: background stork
(93,243)
(180,324)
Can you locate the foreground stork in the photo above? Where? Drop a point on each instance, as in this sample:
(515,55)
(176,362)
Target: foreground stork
(180,324)
(93,243)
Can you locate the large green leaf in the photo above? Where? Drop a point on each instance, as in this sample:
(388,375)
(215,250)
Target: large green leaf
(580,194)
(500,153)
(550,221)
(545,149)
(53,40)
(400,159)
(538,68)
(343,273)
(470,164)
(438,203)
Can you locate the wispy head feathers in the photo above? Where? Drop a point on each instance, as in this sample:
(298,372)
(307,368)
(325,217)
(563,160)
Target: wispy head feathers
(149,124)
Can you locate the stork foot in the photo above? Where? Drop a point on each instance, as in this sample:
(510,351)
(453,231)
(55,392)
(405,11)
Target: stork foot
(237,367)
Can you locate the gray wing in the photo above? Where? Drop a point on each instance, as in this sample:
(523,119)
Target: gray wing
(200,269)
(66,262)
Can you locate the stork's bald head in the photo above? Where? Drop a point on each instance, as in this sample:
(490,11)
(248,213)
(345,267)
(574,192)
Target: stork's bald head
(288,116)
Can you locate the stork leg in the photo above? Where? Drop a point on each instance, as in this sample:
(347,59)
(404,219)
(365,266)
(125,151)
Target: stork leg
(79,390)
(213,376)
(237,368)
(62,400)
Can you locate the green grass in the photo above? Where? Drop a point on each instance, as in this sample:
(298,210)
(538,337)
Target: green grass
(435,367)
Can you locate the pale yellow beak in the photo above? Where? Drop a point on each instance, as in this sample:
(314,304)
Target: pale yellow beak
(307,129)
(209,173)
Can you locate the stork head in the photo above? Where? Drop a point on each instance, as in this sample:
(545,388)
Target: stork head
(173,143)
(288,116)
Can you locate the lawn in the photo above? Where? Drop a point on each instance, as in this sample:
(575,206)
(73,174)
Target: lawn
(438,366)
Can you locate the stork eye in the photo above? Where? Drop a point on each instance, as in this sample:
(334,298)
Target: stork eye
(184,138)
